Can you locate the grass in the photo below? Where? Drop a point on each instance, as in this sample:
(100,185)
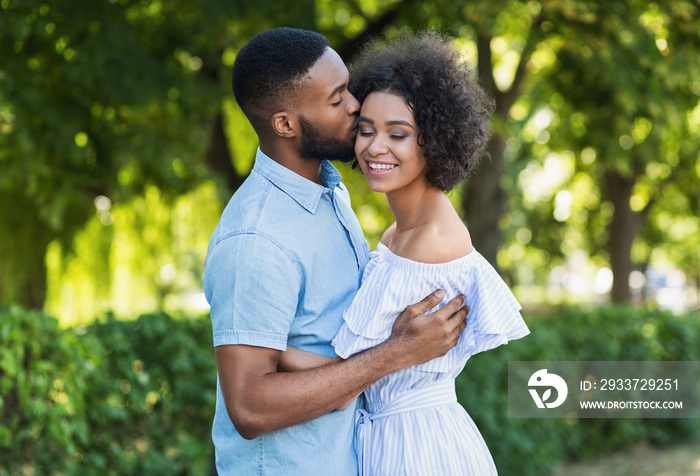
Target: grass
(679,460)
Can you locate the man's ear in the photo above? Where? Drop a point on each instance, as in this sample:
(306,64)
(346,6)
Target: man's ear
(284,124)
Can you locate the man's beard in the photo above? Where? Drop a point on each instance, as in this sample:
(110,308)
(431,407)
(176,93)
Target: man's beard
(316,146)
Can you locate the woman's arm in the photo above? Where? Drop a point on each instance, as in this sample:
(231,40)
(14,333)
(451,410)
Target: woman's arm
(294,359)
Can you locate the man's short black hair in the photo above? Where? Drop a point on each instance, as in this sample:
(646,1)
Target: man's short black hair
(269,68)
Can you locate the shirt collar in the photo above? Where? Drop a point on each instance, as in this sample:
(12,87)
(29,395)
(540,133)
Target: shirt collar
(304,191)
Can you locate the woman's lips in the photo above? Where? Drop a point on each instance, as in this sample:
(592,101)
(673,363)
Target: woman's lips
(380,168)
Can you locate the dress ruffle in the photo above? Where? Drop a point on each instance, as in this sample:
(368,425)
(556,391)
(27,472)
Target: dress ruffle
(391,283)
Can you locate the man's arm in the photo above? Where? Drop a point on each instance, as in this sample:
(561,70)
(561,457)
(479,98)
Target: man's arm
(259,399)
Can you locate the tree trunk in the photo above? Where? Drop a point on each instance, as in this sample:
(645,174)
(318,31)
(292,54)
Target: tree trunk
(23,244)
(31,293)
(484,202)
(622,229)
(218,156)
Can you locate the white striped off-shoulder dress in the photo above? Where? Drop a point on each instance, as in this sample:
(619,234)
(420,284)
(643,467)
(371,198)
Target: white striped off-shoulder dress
(412,424)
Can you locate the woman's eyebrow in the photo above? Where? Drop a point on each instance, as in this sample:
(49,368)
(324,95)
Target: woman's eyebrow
(388,123)
(399,123)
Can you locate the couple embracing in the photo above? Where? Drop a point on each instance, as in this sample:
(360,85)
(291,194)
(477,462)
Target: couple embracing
(333,360)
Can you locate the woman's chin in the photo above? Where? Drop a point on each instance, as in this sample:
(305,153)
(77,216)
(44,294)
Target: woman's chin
(377,188)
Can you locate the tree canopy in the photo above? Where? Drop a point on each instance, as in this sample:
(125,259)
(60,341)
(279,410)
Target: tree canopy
(595,133)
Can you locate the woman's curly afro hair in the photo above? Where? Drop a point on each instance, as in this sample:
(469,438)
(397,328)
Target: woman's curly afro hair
(451,110)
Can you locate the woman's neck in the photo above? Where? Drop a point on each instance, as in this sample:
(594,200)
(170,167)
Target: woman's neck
(415,206)
(428,228)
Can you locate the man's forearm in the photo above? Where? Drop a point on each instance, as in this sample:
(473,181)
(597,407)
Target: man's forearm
(261,400)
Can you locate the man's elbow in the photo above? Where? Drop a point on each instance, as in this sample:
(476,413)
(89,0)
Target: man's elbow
(247,424)
(247,432)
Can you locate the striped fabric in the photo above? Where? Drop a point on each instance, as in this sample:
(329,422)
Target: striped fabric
(413,424)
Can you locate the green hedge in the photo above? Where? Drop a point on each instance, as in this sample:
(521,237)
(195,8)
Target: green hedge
(137,397)
(535,446)
(113,398)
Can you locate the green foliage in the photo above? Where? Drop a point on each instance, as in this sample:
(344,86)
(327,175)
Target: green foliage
(44,375)
(108,98)
(535,446)
(113,398)
(134,258)
(618,94)
(115,98)
(138,397)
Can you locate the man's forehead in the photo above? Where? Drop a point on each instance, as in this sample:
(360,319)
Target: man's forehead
(329,71)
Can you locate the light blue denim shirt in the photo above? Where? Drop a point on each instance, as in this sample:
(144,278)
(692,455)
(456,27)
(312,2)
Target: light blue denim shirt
(283,264)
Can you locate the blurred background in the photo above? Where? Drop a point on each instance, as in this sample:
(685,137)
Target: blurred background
(120,144)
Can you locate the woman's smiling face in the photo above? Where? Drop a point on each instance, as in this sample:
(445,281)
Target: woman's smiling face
(387,144)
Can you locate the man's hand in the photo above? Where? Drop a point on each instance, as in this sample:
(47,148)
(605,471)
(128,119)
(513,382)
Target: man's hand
(420,337)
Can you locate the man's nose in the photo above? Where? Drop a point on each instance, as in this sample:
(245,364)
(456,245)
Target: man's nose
(353,105)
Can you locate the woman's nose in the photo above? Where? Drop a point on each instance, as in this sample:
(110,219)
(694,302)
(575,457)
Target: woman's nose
(377,146)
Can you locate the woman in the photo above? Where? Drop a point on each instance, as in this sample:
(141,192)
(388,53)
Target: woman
(423,124)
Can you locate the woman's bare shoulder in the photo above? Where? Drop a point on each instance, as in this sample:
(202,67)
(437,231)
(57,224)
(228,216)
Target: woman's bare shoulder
(388,233)
(439,244)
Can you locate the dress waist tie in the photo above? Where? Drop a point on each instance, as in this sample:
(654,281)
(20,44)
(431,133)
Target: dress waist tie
(437,393)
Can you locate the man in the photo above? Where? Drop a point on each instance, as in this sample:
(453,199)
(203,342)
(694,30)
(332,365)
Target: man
(286,260)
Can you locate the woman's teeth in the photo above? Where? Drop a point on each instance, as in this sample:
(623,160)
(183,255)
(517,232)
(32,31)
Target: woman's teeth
(380,167)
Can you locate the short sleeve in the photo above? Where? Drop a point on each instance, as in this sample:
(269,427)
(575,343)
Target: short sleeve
(253,287)
(494,315)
